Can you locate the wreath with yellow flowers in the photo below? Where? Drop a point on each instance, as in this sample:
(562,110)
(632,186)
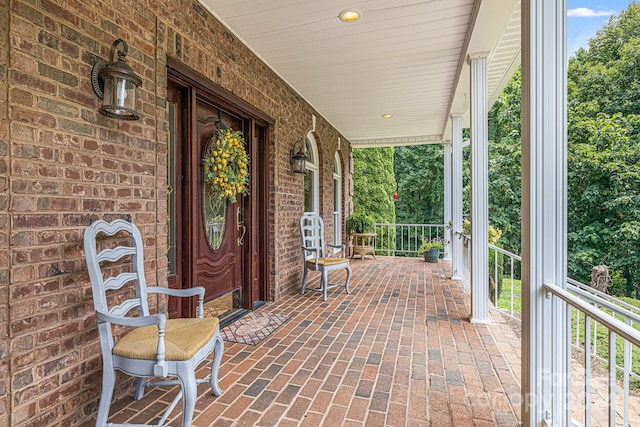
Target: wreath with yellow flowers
(226,165)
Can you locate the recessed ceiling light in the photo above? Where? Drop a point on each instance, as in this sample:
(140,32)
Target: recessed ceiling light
(349,15)
(386,116)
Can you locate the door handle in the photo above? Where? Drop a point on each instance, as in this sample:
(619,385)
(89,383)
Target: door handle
(241,228)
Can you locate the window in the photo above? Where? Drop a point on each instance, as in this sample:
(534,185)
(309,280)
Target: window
(311,178)
(337,201)
(171,189)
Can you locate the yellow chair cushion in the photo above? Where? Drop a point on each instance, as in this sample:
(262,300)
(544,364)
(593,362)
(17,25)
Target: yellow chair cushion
(328,261)
(183,338)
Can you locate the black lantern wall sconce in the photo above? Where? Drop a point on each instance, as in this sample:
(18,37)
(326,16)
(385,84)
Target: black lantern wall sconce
(298,158)
(116,84)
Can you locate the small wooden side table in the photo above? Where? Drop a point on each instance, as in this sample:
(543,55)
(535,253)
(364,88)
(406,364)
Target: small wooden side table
(363,244)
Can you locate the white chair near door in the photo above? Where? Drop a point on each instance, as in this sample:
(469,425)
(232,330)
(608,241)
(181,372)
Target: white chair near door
(154,346)
(314,255)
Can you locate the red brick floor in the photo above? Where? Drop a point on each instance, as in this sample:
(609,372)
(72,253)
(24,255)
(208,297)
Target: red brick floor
(398,351)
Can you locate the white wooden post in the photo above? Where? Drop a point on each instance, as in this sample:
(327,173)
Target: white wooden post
(479,190)
(546,364)
(448,235)
(457,267)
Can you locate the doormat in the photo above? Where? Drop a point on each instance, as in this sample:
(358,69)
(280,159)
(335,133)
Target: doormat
(253,327)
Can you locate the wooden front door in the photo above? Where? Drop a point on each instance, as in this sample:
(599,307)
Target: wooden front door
(219,226)
(216,244)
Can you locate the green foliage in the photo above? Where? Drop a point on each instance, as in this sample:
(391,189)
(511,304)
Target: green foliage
(504,298)
(606,75)
(620,29)
(618,286)
(374,183)
(604,195)
(504,164)
(604,153)
(466,226)
(493,234)
(428,244)
(359,223)
(373,187)
(419,173)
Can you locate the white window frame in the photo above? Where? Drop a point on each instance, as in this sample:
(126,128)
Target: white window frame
(313,172)
(337,201)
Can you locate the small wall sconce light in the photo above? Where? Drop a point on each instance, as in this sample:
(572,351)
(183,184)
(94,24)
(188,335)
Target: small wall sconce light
(116,83)
(298,158)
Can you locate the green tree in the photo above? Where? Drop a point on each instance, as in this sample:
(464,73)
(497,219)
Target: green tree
(604,153)
(604,195)
(374,183)
(605,76)
(505,164)
(420,177)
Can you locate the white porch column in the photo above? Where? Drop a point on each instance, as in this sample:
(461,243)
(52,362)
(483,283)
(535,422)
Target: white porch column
(546,364)
(448,235)
(479,190)
(457,272)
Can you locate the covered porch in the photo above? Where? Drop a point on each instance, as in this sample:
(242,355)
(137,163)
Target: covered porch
(399,350)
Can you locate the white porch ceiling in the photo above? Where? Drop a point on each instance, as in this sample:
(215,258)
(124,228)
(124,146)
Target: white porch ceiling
(403,57)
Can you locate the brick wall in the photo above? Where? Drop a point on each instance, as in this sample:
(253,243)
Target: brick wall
(69,166)
(4,219)
(63,165)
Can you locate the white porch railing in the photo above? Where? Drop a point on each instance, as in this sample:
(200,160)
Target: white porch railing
(505,273)
(617,331)
(404,239)
(594,317)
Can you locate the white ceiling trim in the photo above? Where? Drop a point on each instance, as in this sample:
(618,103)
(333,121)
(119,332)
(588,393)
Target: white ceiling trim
(394,142)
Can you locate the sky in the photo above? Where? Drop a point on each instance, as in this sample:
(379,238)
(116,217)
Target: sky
(586,17)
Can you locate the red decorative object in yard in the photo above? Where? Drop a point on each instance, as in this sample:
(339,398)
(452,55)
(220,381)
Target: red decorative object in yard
(395,195)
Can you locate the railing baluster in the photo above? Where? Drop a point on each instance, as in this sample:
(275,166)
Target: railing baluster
(495,277)
(594,351)
(587,371)
(578,328)
(627,372)
(384,239)
(612,378)
(394,238)
(404,239)
(512,285)
(408,237)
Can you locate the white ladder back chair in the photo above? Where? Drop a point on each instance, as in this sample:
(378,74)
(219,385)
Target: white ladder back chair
(314,255)
(154,346)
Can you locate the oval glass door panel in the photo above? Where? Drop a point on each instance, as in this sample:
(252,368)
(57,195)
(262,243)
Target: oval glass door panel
(215,211)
